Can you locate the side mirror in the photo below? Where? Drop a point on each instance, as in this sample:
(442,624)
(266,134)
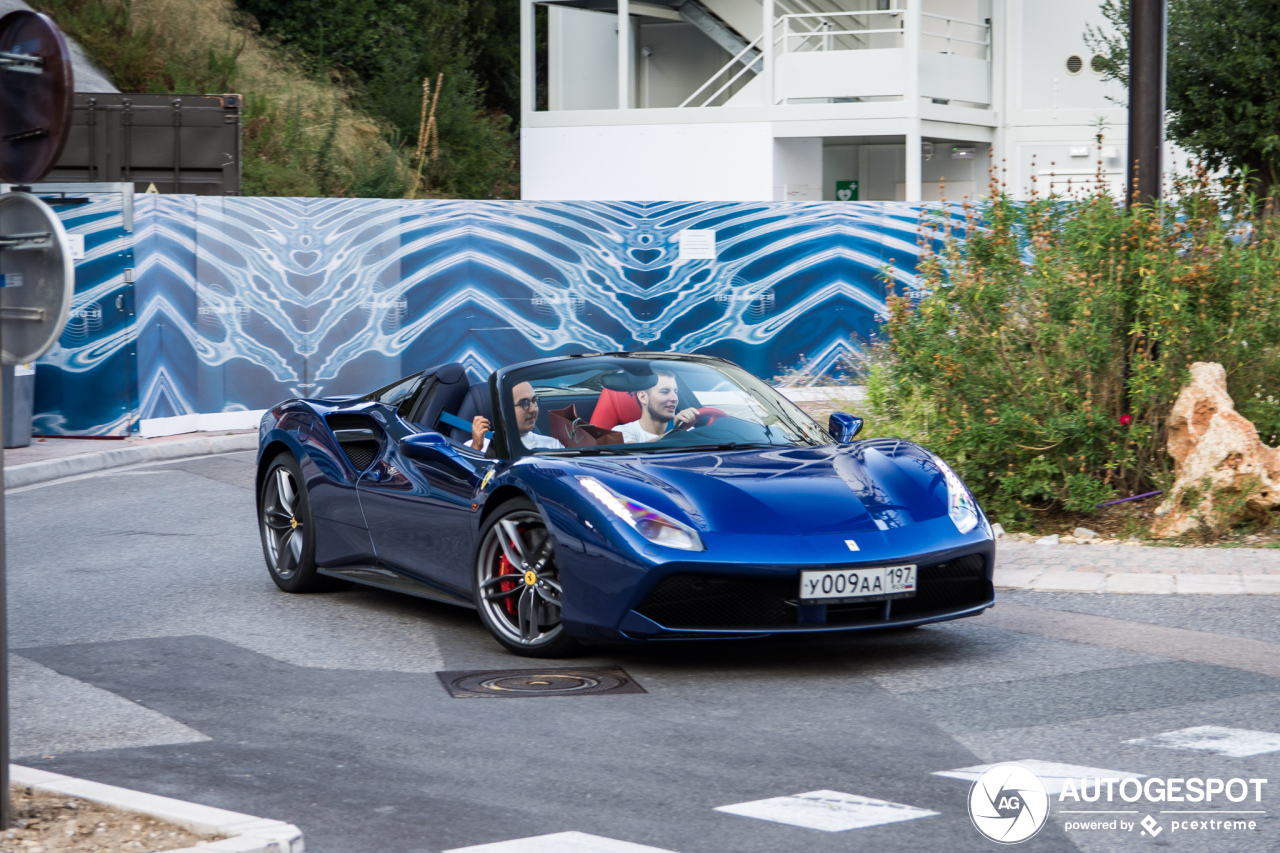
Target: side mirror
(423,445)
(844,426)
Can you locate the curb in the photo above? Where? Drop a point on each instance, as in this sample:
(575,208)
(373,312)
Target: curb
(246,833)
(86,463)
(1130,583)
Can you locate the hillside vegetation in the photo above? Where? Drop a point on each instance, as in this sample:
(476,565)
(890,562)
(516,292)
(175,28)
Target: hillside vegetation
(324,115)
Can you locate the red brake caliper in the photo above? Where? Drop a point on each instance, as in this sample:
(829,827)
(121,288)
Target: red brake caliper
(505,568)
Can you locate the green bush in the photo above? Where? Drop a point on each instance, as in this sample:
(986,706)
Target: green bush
(1047,340)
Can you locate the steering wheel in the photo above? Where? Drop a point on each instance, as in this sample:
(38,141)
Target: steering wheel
(707,416)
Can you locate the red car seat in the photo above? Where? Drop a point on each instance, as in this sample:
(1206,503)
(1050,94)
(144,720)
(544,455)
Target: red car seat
(615,407)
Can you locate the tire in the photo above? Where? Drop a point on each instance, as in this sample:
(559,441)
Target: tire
(288,530)
(523,613)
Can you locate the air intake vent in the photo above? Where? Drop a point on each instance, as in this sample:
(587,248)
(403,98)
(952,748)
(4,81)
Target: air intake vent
(357,437)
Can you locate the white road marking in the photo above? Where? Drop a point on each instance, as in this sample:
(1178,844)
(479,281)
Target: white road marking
(560,842)
(829,811)
(1235,743)
(1053,774)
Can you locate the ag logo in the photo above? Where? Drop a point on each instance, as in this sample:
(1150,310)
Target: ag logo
(1008,803)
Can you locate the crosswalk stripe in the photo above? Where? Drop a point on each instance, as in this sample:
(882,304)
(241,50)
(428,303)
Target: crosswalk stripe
(829,811)
(1219,740)
(561,842)
(1052,773)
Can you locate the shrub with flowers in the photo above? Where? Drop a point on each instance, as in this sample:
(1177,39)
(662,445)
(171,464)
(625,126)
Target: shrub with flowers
(1048,339)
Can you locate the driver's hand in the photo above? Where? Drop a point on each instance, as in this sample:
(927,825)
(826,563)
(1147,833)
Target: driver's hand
(687,418)
(479,426)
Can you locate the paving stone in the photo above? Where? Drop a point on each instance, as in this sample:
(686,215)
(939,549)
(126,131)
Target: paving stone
(1133,583)
(1261,584)
(1018,578)
(1210,585)
(1069,582)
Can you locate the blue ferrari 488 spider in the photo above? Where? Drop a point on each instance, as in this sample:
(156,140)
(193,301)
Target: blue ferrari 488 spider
(623,496)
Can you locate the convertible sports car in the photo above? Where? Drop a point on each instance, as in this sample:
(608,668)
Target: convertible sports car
(622,496)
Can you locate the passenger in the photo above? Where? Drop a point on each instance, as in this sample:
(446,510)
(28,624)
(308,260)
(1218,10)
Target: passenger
(526,403)
(657,409)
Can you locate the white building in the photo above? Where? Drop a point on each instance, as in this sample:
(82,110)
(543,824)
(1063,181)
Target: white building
(689,100)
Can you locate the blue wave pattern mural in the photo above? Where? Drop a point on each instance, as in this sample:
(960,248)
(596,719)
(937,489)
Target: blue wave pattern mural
(87,383)
(242,302)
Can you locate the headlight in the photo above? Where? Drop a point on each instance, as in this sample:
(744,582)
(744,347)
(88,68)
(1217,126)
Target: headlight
(658,528)
(960,504)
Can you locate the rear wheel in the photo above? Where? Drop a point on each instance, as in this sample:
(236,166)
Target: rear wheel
(517,584)
(288,530)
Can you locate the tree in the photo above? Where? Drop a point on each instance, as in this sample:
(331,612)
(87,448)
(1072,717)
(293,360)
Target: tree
(384,49)
(1223,81)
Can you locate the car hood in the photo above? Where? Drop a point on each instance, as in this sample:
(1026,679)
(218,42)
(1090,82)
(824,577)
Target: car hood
(872,485)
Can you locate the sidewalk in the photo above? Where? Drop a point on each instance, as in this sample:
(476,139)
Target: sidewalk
(1149,569)
(55,458)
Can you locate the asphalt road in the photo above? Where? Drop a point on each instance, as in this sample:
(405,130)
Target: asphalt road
(152,651)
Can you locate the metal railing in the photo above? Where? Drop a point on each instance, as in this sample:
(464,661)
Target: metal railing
(746,66)
(825,31)
(804,32)
(951,39)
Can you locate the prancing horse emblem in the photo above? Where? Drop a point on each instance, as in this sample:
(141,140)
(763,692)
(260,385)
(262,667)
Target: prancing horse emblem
(853,546)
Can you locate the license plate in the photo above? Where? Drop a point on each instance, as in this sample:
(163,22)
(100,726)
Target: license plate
(877,583)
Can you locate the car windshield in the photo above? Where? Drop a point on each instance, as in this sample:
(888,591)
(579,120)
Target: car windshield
(623,405)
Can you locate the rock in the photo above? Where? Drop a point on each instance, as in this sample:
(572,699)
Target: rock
(997,531)
(1084,533)
(1223,471)
(1048,540)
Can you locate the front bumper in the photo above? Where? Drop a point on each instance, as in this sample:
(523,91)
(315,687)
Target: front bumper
(698,599)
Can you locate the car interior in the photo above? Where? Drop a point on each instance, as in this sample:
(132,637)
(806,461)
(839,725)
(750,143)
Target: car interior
(443,399)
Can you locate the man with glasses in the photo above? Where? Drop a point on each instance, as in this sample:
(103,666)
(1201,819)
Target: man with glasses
(526,403)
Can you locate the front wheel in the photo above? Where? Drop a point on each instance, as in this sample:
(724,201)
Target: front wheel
(516,583)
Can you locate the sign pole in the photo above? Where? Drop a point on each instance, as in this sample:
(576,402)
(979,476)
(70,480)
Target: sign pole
(35,121)
(6,801)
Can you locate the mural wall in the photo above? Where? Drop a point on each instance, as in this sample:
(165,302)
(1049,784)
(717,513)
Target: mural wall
(237,303)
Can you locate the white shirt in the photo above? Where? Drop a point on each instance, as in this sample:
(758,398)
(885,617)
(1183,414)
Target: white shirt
(633,433)
(532,441)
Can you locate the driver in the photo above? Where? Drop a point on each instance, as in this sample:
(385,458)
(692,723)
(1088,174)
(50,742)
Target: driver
(526,403)
(657,410)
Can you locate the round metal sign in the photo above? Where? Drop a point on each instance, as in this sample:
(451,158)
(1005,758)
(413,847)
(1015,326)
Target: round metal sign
(37,276)
(37,93)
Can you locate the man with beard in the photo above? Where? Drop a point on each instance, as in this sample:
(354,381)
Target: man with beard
(657,410)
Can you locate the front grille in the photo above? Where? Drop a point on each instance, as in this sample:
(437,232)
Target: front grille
(709,601)
(949,586)
(701,601)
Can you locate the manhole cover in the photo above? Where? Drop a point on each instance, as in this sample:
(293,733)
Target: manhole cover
(522,683)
